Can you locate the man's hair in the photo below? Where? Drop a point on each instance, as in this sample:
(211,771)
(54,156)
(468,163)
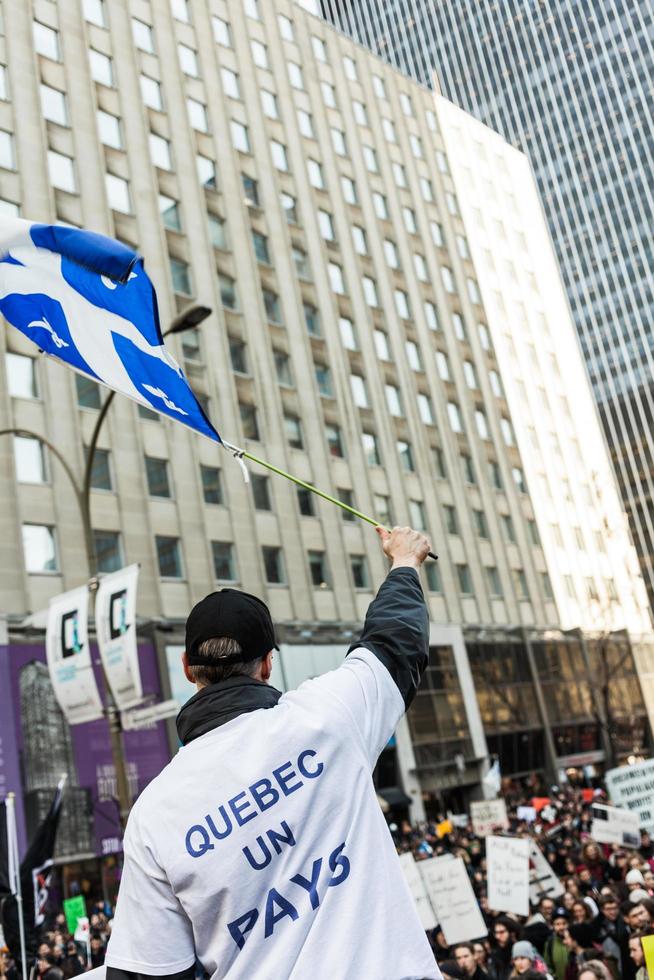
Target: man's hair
(468,946)
(608,900)
(596,967)
(215,650)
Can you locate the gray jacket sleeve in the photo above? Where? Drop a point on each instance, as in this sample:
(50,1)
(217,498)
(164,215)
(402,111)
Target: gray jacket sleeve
(396,630)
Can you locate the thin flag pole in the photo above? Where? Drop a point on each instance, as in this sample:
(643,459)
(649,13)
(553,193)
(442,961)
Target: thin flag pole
(241,454)
(14,874)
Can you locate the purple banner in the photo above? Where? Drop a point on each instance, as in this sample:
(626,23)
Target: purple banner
(26,699)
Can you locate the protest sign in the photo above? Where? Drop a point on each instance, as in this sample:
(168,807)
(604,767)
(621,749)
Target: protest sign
(74,910)
(443,828)
(451,895)
(460,820)
(487,816)
(613,825)
(527,813)
(543,882)
(508,874)
(632,787)
(647,942)
(418,892)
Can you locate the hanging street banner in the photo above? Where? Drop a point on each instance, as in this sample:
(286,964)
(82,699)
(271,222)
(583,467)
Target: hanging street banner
(115,623)
(508,874)
(69,657)
(632,787)
(450,893)
(487,816)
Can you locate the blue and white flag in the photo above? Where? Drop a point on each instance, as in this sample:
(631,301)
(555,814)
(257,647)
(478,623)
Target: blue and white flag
(86,300)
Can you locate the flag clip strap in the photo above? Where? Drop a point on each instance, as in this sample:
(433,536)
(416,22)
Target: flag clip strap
(238,456)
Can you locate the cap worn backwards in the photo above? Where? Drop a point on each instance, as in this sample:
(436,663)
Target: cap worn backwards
(237,615)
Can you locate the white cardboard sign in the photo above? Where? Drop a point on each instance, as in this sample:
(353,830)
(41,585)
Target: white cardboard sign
(613,825)
(508,874)
(449,889)
(487,816)
(543,882)
(410,867)
(632,787)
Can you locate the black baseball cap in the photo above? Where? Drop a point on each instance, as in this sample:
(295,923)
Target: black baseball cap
(238,615)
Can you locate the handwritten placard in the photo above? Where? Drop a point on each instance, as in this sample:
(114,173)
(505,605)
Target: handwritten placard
(487,816)
(418,891)
(450,892)
(543,883)
(508,874)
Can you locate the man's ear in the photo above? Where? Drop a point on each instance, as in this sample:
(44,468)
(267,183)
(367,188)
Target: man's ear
(187,671)
(266,666)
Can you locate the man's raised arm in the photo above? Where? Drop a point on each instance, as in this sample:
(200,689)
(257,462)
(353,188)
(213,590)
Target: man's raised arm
(396,629)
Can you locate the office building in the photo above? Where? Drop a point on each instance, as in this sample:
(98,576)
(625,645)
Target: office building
(570,84)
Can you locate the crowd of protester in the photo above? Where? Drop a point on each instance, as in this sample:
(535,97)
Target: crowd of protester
(592,930)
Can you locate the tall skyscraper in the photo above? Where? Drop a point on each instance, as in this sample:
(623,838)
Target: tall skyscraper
(570,82)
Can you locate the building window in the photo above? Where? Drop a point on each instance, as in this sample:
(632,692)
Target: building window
(399,174)
(432,576)
(534,535)
(301,262)
(389,130)
(328,95)
(305,502)
(482,424)
(431,316)
(409,216)
(118,194)
(240,136)
(88,392)
(217,231)
(316,176)
(181,277)
(405,102)
(493,578)
(278,154)
(250,191)
(30,460)
(336,278)
(382,348)
(370,159)
(468,468)
(319,49)
(324,381)
(188,60)
(378,87)
(100,469)
(191,346)
(360,241)
(151,93)
(180,11)
(283,368)
(160,152)
(390,251)
(293,431)
(380,205)
(272,305)
(426,189)
(350,69)
(393,401)
(451,522)
(237,355)
(261,492)
(470,375)
(39,548)
(464,579)
(197,116)
(94,12)
(547,586)
(212,490)
(289,207)
(249,421)
(346,497)
(221,33)
(402,304)
(156,471)
(349,190)
(318,569)
(484,336)
(21,376)
(439,462)
(519,479)
(359,567)
(348,336)
(108,551)
(259,54)
(46,41)
(495,474)
(520,582)
(273,563)
(359,391)
(381,504)
(448,279)
(370,449)
(224,566)
(260,243)
(269,104)
(286,27)
(60,168)
(206,171)
(170,213)
(169,556)
(406,456)
(305,124)
(481,526)
(295,75)
(417,515)
(426,409)
(227,291)
(143,36)
(370,291)
(508,528)
(334,440)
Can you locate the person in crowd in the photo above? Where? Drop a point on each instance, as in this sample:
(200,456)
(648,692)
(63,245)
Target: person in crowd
(612,932)
(578,938)
(524,959)
(505,934)
(637,954)
(595,970)
(464,954)
(556,951)
(481,955)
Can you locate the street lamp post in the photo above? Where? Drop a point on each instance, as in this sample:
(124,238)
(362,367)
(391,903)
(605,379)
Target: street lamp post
(190,317)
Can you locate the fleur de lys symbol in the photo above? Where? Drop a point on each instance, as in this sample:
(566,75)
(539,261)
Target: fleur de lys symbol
(44,325)
(168,402)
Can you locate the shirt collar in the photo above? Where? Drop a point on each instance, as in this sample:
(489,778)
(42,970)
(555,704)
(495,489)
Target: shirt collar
(217,704)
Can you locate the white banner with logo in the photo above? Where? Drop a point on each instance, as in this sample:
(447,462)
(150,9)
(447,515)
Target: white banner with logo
(69,657)
(115,623)
(508,874)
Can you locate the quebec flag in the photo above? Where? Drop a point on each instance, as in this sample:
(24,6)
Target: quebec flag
(87,301)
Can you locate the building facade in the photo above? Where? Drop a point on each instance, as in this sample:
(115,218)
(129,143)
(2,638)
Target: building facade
(271,169)
(570,84)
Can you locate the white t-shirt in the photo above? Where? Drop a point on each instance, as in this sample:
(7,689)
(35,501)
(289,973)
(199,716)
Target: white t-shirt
(261,847)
